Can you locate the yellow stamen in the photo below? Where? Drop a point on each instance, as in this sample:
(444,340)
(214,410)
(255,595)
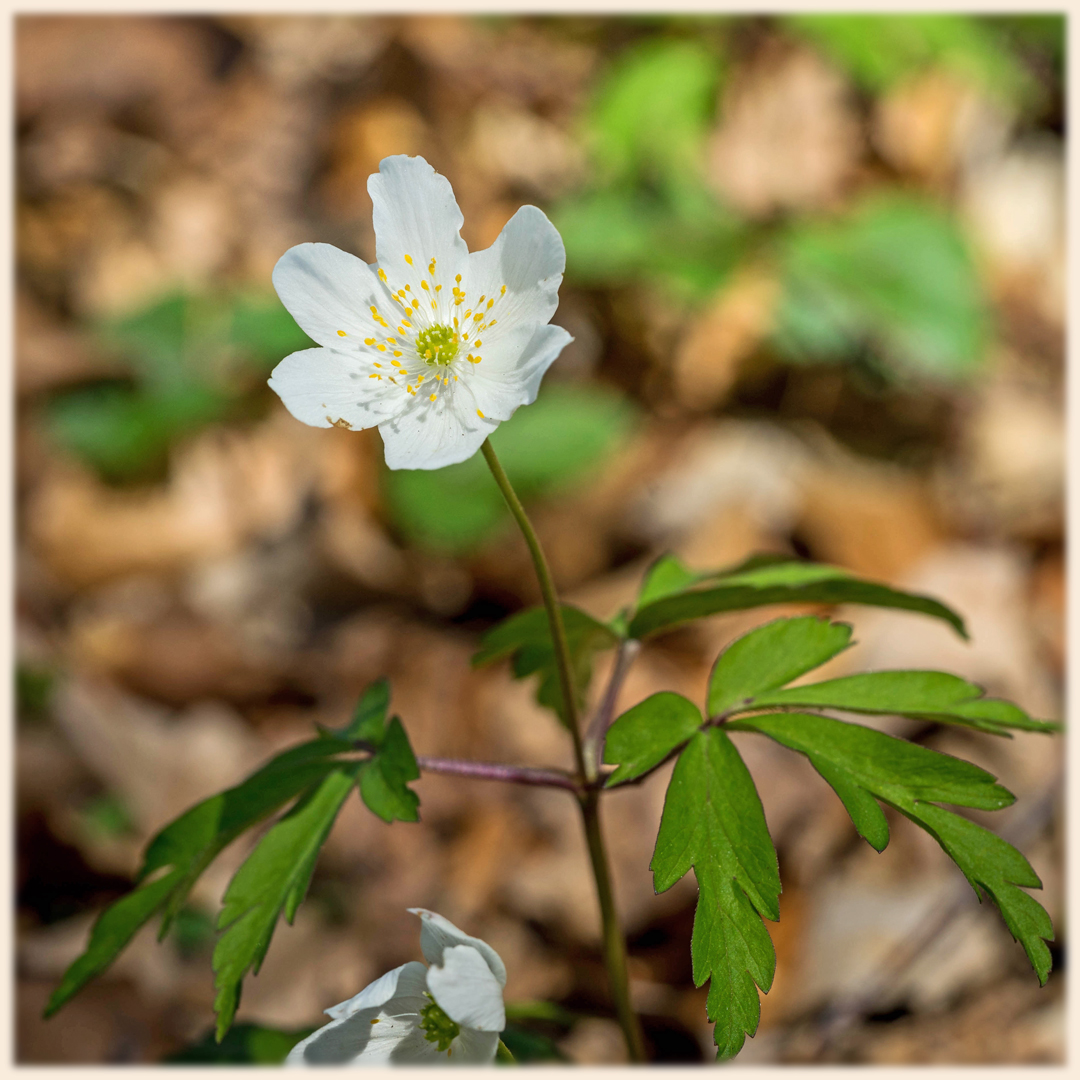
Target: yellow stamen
(341,333)
(408,259)
(480,414)
(432,398)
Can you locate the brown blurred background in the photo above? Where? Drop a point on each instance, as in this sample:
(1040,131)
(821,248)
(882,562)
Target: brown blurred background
(814,278)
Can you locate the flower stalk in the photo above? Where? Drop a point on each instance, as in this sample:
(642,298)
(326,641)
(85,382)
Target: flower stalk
(614,944)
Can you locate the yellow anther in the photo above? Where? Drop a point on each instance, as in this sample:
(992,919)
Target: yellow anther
(401,330)
(374,376)
(493,322)
(502,291)
(424,286)
(483,297)
(374,310)
(341,333)
(416,305)
(457,278)
(390,341)
(397,352)
(468,313)
(382,274)
(480,414)
(438,288)
(377,365)
(369,341)
(381,348)
(491,304)
(408,259)
(477,343)
(427,354)
(431,267)
(478,317)
(419,379)
(408,288)
(434,306)
(432,398)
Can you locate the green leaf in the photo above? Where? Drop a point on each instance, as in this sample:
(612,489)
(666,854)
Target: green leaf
(771,656)
(368,723)
(775,582)
(713,821)
(646,734)
(245,1044)
(384,779)
(274,878)
(922,695)
(526,637)
(552,442)
(177,856)
(894,276)
(862,765)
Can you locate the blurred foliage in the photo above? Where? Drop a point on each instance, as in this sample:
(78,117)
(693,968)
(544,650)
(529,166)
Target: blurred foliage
(649,214)
(33,692)
(878,51)
(190,358)
(107,816)
(893,277)
(245,1044)
(542,447)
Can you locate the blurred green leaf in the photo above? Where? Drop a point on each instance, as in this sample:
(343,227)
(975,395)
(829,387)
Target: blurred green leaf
(894,275)
(244,1044)
(530,1046)
(643,736)
(652,111)
(877,51)
(263,330)
(107,816)
(665,577)
(542,446)
(34,688)
(125,433)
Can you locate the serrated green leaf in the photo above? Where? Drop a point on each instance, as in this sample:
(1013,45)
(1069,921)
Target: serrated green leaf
(273,879)
(923,695)
(781,583)
(526,637)
(771,656)
(859,763)
(186,847)
(384,779)
(643,736)
(665,577)
(713,822)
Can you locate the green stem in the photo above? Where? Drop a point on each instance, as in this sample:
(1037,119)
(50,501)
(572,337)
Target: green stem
(503,1055)
(551,602)
(614,943)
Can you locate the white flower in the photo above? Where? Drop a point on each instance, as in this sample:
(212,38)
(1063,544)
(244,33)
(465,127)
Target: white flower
(433,344)
(451,1012)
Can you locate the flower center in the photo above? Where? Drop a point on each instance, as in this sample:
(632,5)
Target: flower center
(437,344)
(437,1026)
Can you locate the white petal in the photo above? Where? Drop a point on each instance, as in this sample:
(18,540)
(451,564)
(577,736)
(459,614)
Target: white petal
(327,388)
(431,434)
(474,1047)
(410,977)
(327,290)
(528,257)
(466,989)
(375,1035)
(438,933)
(415,214)
(511,371)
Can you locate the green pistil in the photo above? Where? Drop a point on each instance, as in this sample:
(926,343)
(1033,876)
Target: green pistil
(437,1026)
(437,344)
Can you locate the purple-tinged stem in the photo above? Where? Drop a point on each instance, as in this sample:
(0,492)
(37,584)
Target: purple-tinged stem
(510,774)
(605,713)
